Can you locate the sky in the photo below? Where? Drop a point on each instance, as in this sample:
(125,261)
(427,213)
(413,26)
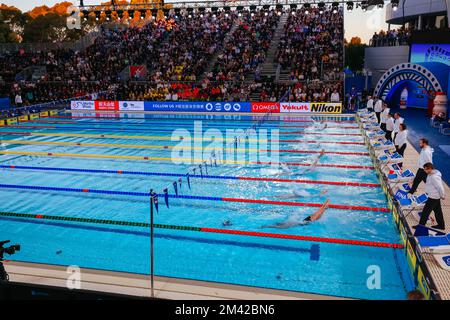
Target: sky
(357,22)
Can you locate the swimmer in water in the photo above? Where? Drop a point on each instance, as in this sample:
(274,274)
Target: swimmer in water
(300,193)
(313,165)
(227,223)
(290,223)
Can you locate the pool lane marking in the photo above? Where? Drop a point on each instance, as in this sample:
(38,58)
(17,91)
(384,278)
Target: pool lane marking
(165,130)
(196,197)
(169,123)
(208,230)
(138,146)
(121,172)
(195,160)
(109,136)
(285,119)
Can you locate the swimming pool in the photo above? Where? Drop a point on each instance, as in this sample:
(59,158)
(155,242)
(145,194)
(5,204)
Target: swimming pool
(75,191)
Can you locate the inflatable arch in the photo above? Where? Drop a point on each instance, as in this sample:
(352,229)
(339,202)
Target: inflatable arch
(433,76)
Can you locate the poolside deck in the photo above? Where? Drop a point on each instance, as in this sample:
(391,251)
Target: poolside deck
(441,277)
(135,285)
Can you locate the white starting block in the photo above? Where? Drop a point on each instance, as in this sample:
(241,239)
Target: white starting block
(409,203)
(375,135)
(435,242)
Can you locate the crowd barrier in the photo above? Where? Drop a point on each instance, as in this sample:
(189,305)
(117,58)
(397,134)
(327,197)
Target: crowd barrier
(415,261)
(208,106)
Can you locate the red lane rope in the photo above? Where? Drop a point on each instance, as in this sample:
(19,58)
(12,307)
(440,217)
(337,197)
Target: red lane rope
(326,152)
(306,238)
(335,183)
(318,141)
(18,133)
(342,166)
(337,127)
(32,127)
(321,133)
(287,141)
(305,204)
(110,118)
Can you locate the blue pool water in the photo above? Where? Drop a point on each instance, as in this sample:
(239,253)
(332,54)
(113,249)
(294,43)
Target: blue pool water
(304,266)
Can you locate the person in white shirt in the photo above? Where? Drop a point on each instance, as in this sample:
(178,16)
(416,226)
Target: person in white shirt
(434,188)
(18,100)
(384,116)
(335,96)
(398,120)
(401,140)
(425,156)
(389,126)
(370,103)
(378,108)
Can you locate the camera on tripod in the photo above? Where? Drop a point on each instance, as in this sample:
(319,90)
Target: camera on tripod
(8,250)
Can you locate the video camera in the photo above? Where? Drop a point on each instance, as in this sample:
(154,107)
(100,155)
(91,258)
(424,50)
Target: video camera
(8,250)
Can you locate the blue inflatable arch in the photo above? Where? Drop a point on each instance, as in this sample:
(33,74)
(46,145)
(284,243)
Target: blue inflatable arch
(429,75)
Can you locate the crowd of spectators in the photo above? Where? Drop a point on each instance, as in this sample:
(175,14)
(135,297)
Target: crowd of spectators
(311,46)
(246,47)
(178,55)
(396,37)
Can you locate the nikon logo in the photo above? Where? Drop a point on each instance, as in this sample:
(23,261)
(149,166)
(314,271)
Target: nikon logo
(326,108)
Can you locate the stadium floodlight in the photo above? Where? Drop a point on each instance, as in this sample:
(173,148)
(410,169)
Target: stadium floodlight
(321,5)
(335,7)
(350,5)
(85,15)
(364,5)
(395,4)
(306,6)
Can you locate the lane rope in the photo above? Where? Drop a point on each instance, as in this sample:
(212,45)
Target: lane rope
(163,174)
(181,160)
(109,136)
(203,229)
(163,130)
(138,146)
(195,197)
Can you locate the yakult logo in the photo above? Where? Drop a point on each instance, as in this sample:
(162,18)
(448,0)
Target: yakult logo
(295,107)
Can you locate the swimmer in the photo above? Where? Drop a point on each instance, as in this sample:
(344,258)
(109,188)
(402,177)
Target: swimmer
(227,223)
(300,193)
(290,223)
(285,168)
(313,165)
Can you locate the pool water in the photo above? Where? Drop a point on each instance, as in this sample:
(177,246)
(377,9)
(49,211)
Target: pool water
(200,252)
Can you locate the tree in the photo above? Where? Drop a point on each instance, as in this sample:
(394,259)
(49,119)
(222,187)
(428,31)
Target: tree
(45,28)
(354,55)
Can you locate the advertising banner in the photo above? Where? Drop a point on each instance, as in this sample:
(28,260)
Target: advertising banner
(295,107)
(323,107)
(264,107)
(188,106)
(2,123)
(131,106)
(82,105)
(23,118)
(107,105)
(11,121)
